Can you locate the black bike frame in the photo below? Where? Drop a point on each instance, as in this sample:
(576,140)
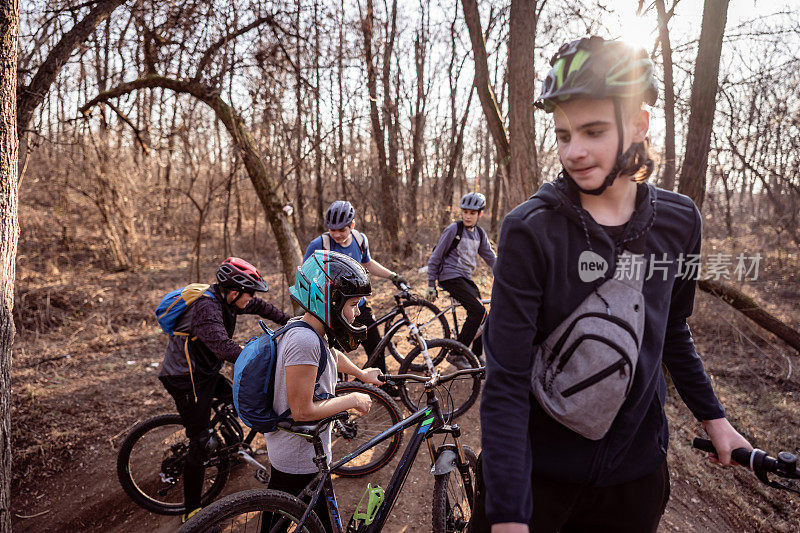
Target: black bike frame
(428,419)
(228,419)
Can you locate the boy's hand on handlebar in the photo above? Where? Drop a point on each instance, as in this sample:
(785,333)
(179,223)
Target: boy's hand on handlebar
(431,294)
(398,279)
(361,402)
(371,376)
(725,439)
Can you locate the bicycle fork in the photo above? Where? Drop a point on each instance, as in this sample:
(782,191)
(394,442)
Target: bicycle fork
(424,347)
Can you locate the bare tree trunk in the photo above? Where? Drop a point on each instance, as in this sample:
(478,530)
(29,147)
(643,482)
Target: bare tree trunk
(390,105)
(339,72)
(668,174)
(523,178)
(9,233)
(389,213)
(418,123)
(692,181)
(300,208)
(497,194)
(318,129)
(264,184)
(482,84)
(452,163)
(750,308)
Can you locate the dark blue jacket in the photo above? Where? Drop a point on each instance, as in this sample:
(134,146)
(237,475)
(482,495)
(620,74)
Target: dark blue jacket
(536,286)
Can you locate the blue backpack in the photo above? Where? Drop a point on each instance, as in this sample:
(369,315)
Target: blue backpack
(175,303)
(254,379)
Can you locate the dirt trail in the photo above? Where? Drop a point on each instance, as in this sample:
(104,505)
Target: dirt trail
(88,498)
(71,413)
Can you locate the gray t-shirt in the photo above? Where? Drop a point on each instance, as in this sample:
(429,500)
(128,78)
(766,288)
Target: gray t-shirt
(287,452)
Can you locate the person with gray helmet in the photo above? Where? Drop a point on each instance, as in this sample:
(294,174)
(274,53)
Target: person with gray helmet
(342,237)
(451,265)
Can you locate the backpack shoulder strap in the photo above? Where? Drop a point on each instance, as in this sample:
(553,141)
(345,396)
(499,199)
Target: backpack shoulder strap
(457,238)
(359,238)
(323,352)
(482,233)
(326,241)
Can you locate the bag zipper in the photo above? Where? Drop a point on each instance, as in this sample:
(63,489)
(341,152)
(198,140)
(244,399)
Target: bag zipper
(591,380)
(611,318)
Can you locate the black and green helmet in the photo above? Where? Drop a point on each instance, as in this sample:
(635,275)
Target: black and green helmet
(595,68)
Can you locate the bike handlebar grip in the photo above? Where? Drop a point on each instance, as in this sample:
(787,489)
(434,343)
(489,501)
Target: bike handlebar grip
(740,455)
(704,445)
(382,377)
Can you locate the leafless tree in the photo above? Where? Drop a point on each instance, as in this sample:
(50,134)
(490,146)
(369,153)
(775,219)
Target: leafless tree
(9,233)
(692,181)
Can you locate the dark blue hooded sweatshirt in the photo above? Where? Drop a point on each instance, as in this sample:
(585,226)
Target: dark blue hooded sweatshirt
(536,286)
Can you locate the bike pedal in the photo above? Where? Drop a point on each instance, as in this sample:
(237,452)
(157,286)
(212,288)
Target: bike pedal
(263,475)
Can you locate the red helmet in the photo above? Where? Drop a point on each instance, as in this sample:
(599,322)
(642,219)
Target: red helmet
(239,275)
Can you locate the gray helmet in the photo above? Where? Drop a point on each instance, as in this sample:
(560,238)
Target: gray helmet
(473,200)
(339,215)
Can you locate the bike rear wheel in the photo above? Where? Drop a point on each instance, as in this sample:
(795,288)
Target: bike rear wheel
(452,505)
(347,435)
(244,511)
(456,396)
(431,322)
(150,466)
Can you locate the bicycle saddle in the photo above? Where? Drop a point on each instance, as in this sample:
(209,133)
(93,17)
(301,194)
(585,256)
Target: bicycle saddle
(312,428)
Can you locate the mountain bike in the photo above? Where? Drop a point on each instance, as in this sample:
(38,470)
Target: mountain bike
(151,458)
(784,466)
(451,314)
(453,466)
(430,358)
(409,309)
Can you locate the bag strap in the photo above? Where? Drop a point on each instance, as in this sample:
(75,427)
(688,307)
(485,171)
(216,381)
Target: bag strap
(457,239)
(359,238)
(327,242)
(323,353)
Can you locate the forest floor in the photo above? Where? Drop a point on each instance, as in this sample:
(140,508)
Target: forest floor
(87,352)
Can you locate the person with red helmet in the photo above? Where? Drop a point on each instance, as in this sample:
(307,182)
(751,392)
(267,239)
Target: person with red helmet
(207,328)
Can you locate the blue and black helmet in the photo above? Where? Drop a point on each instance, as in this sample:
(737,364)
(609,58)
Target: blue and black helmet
(339,214)
(322,286)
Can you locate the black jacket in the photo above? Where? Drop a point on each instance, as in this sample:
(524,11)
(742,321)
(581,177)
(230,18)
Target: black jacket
(212,321)
(536,286)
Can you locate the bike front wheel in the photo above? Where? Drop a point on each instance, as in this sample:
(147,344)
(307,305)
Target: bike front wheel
(150,466)
(245,511)
(452,501)
(348,435)
(456,396)
(431,323)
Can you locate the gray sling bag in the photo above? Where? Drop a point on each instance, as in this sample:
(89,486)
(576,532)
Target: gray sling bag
(584,370)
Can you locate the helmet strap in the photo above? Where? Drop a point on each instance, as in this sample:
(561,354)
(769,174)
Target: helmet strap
(225,295)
